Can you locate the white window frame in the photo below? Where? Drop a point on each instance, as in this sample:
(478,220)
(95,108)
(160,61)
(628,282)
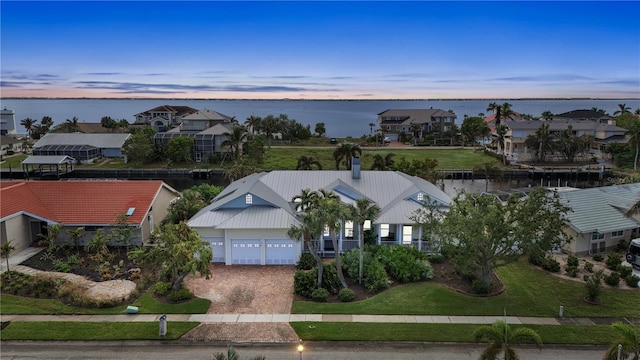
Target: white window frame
(248,199)
(407,232)
(384,230)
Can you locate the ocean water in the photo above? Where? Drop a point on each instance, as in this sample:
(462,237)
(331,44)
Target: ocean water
(341,117)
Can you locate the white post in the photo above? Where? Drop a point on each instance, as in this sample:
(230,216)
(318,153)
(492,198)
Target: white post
(619,352)
(561,311)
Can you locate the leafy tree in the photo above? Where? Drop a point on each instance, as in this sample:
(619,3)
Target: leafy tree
(234,141)
(207,191)
(180,149)
(320,129)
(490,171)
(177,251)
(293,130)
(240,169)
(5,250)
(72,125)
(474,127)
(140,147)
(629,338)
(256,150)
(123,124)
(429,218)
(633,131)
(501,339)
(108,123)
(345,153)
(570,145)
(360,213)
(622,109)
(488,234)
(183,209)
(425,168)
(307,162)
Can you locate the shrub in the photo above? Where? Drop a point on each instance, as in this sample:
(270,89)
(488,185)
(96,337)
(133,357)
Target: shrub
(61,266)
(375,277)
(161,288)
(306,262)
(572,271)
(572,261)
(436,258)
(480,287)
(624,271)
(330,279)
(319,295)
(550,264)
(593,285)
(613,279)
(622,245)
(632,280)
(351,262)
(536,257)
(588,266)
(180,295)
(346,295)
(613,260)
(304,282)
(598,257)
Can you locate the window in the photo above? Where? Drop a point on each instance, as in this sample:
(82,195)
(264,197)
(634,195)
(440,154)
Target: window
(367,225)
(420,196)
(618,233)
(348,229)
(598,244)
(384,230)
(248,199)
(597,236)
(406,235)
(92,228)
(326,231)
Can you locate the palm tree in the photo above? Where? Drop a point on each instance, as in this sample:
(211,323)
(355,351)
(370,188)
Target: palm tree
(371,126)
(501,339)
(541,142)
(634,137)
(547,115)
(344,153)
(28,124)
(492,107)
(383,163)
(307,162)
(234,140)
(270,125)
(597,109)
(72,125)
(310,228)
(5,250)
(361,212)
(331,212)
(623,109)
(305,200)
(253,123)
(629,338)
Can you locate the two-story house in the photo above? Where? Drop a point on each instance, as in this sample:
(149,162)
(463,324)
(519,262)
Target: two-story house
(164,117)
(415,122)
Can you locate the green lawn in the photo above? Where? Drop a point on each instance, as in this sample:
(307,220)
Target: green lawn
(13,162)
(529,292)
(94,330)
(17,305)
(551,334)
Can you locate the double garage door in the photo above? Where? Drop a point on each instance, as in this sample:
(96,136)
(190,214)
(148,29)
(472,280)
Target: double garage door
(251,251)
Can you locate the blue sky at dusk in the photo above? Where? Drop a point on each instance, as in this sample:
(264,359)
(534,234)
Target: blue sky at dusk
(320,50)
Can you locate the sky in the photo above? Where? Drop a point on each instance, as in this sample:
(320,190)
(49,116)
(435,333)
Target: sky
(320,50)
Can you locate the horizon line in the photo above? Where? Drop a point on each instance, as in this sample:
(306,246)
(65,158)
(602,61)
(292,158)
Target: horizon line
(310,99)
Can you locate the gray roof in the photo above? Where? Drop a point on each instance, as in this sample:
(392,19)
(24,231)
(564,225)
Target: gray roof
(48,160)
(218,129)
(102,141)
(601,209)
(415,116)
(208,115)
(556,125)
(390,190)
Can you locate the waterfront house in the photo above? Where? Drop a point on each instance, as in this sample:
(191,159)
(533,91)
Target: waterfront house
(586,115)
(9,145)
(415,122)
(598,219)
(84,148)
(163,117)
(27,208)
(204,119)
(247,222)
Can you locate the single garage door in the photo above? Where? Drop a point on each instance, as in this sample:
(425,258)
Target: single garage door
(217,246)
(245,252)
(280,252)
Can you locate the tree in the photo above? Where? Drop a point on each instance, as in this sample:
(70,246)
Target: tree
(633,131)
(177,251)
(570,145)
(307,162)
(140,147)
(383,163)
(474,127)
(5,250)
(541,142)
(29,125)
(270,125)
(371,126)
(122,231)
(72,125)
(629,338)
(183,209)
(488,234)
(345,153)
(108,123)
(76,235)
(253,123)
(207,191)
(309,230)
(363,211)
(331,212)
(234,141)
(501,339)
(622,109)
(429,218)
(180,149)
(547,115)
(320,129)
(240,169)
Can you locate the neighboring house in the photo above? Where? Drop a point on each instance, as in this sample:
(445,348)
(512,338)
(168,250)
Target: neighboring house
(7,122)
(247,222)
(588,115)
(518,131)
(597,221)
(27,208)
(164,117)
(9,145)
(93,128)
(204,119)
(85,148)
(416,122)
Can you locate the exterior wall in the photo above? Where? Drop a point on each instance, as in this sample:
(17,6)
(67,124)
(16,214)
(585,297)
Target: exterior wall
(261,234)
(159,210)
(17,231)
(112,152)
(581,244)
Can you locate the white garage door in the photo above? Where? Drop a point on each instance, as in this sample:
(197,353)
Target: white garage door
(217,246)
(246,252)
(280,252)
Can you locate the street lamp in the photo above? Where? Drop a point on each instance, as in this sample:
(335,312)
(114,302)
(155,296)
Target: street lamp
(300,348)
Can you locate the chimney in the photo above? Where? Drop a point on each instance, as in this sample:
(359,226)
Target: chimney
(355,168)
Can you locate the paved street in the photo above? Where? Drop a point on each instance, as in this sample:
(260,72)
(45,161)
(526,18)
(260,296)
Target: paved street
(313,351)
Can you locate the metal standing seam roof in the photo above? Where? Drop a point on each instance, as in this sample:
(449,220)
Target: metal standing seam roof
(48,160)
(601,209)
(102,141)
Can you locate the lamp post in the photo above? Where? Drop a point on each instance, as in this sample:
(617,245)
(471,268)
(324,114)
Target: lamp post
(618,357)
(300,348)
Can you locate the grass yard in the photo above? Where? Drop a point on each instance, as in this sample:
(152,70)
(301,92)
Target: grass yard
(551,334)
(17,305)
(93,330)
(13,162)
(529,292)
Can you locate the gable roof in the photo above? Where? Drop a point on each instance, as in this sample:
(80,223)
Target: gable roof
(173,109)
(101,141)
(601,209)
(48,160)
(413,116)
(583,114)
(79,202)
(555,125)
(390,190)
(208,115)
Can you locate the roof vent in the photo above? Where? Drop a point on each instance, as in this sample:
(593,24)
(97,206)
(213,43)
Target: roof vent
(130,211)
(355,168)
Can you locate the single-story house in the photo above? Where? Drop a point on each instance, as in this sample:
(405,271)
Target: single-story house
(247,222)
(85,148)
(27,208)
(416,122)
(597,221)
(9,145)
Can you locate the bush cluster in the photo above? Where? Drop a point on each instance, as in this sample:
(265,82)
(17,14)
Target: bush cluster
(613,260)
(306,262)
(551,264)
(613,279)
(346,295)
(161,288)
(180,295)
(404,263)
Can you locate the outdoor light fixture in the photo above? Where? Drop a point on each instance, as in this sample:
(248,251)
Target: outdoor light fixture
(300,348)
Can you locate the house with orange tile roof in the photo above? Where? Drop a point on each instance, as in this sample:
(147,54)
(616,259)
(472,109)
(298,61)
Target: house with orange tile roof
(28,207)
